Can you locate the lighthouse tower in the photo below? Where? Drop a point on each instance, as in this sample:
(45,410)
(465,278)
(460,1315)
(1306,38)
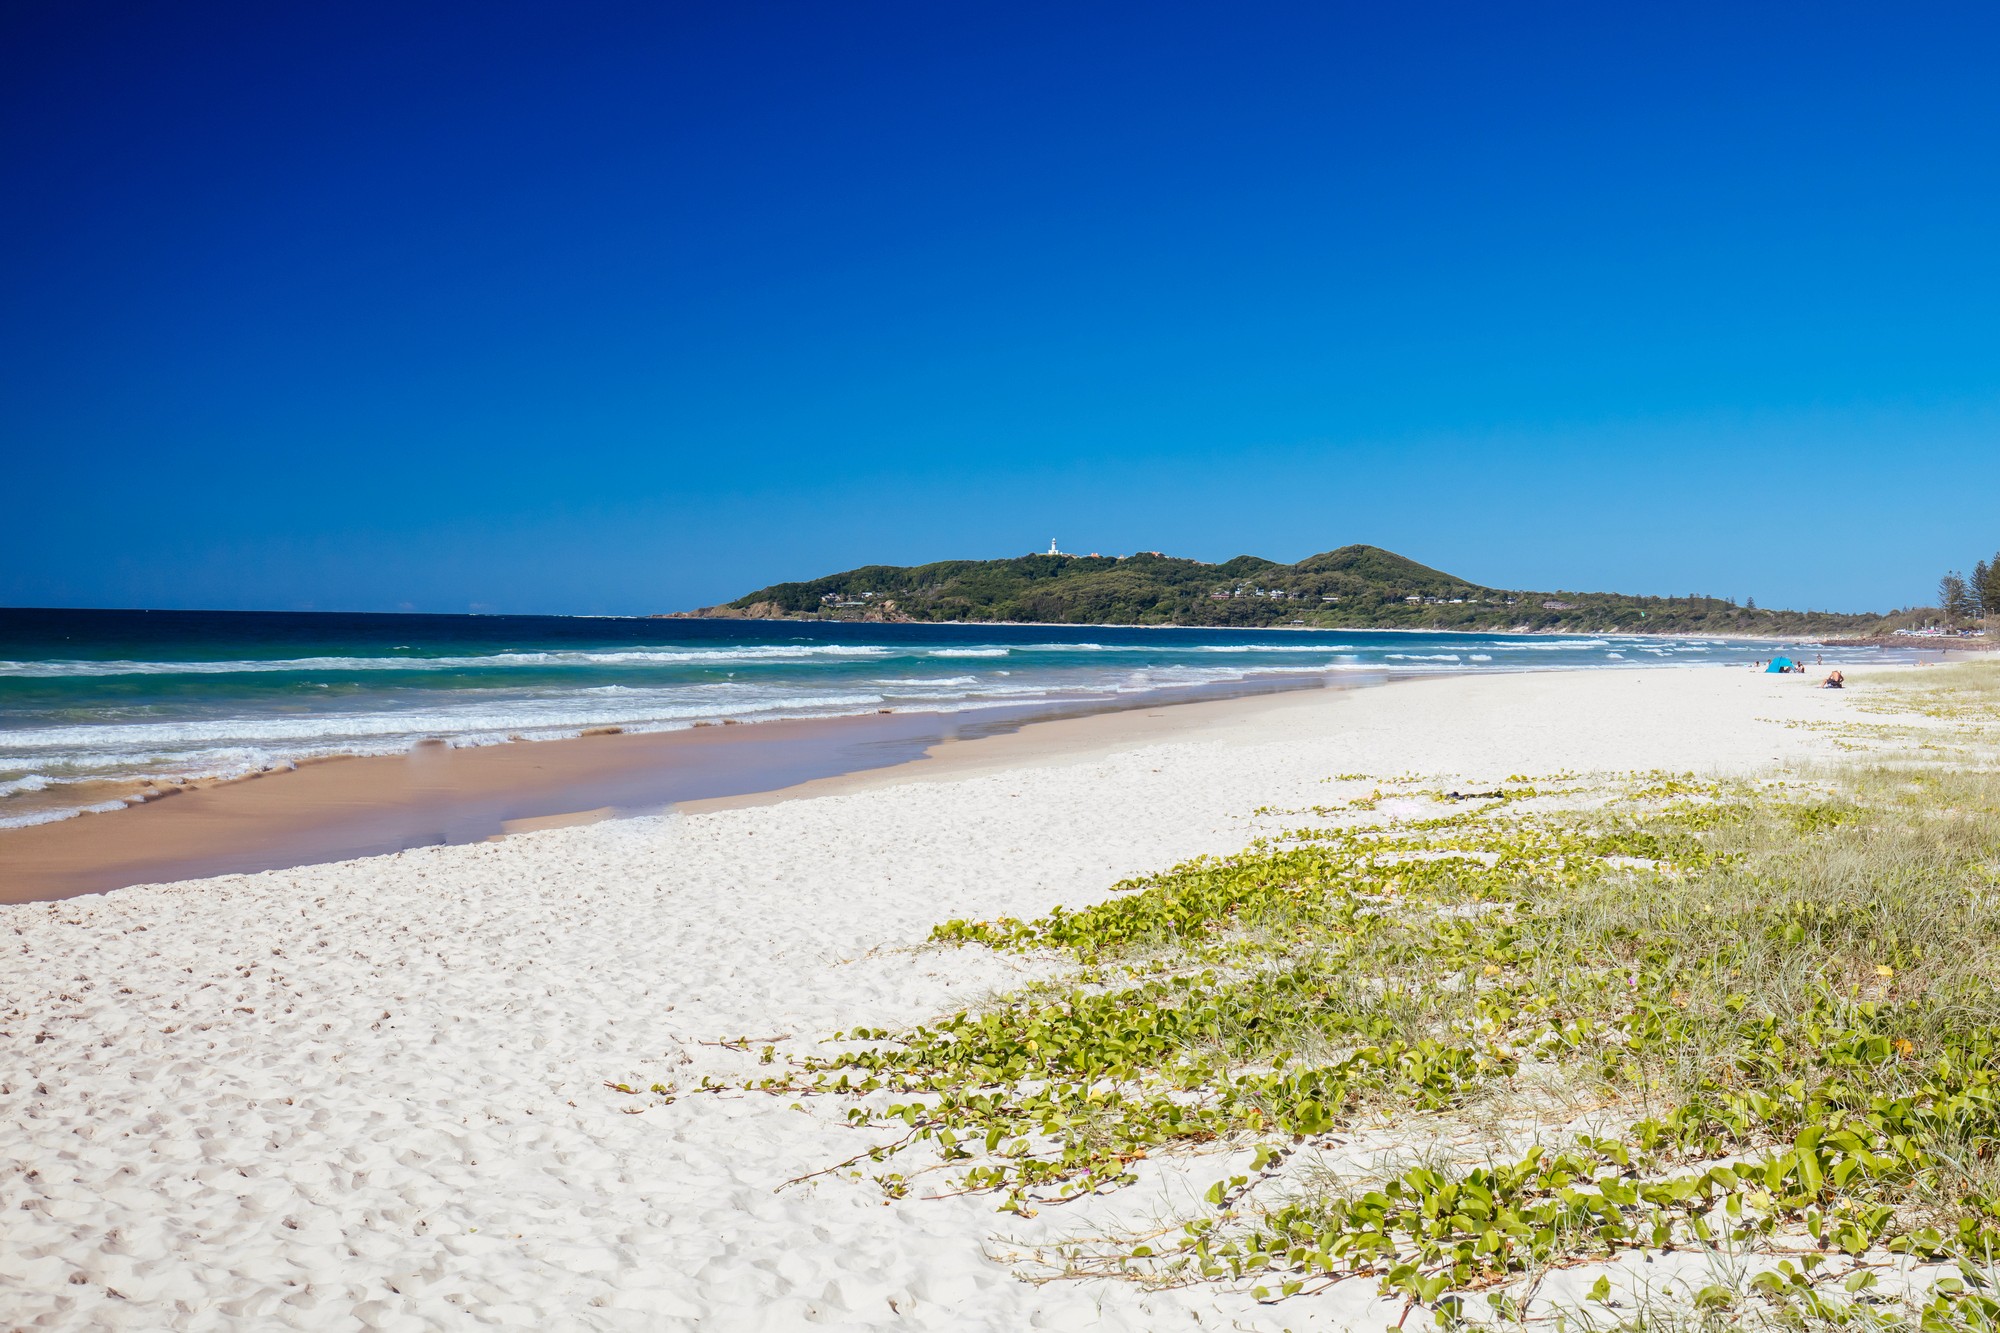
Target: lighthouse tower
(1052,547)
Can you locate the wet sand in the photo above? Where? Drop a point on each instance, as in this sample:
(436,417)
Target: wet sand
(342,808)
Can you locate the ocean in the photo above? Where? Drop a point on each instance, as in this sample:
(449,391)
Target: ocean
(89,698)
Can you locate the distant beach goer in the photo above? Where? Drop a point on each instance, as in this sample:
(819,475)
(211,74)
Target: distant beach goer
(1834,680)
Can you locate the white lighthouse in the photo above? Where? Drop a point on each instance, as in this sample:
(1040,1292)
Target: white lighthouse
(1052,547)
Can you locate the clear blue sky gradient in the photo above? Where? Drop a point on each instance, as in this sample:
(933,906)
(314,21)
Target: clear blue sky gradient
(606,307)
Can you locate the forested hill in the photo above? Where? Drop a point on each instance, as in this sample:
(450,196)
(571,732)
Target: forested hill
(1355,586)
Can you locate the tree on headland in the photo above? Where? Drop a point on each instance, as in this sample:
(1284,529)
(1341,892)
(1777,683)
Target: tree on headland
(1955,597)
(1986,585)
(1962,599)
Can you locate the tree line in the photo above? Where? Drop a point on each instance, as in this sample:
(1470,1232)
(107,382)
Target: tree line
(1352,587)
(1962,598)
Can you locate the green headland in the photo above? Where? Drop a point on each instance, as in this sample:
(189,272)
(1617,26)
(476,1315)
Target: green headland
(1352,587)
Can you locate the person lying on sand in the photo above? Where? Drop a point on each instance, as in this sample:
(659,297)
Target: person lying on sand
(1834,680)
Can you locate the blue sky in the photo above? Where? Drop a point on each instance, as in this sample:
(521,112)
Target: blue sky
(632,307)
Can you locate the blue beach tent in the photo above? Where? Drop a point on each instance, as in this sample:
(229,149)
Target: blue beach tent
(1778,664)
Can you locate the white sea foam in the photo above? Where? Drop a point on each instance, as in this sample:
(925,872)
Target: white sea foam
(55,816)
(577,658)
(208,746)
(748,682)
(246,743)
(1274,647)
(553,714)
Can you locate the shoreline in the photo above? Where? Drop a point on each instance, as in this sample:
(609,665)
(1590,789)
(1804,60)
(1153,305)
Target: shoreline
(338,807)
(107,784)
(67,798)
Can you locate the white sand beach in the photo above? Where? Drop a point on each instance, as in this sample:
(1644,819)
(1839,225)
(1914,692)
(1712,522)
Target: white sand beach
(373,1094)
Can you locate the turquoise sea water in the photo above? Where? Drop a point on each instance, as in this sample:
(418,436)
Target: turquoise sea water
(95,695)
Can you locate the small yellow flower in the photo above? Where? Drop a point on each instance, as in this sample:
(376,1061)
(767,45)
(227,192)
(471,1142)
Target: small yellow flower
(1884,970)
(1904,1046)
(1491,969)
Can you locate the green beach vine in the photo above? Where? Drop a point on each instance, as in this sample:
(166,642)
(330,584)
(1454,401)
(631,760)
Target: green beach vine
(1782,998)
